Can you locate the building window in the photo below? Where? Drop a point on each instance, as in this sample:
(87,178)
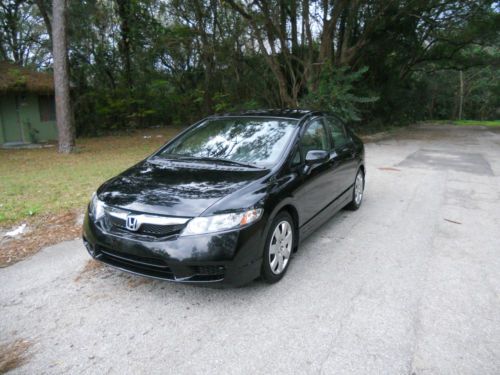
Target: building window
(47,108)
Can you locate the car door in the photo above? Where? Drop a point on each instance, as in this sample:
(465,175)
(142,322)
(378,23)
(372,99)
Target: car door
(343,153)
(313,194)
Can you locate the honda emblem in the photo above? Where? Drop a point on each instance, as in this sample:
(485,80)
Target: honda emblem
(132,223)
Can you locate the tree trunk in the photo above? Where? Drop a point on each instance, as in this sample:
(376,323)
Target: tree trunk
(42,8)
(293,21)
(124,12)
(461,95)
(61,78)
(207,49)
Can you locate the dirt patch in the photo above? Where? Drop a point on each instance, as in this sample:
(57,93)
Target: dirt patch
(91,269)
(138,281)
(43,230)
(94,269)
(13,355)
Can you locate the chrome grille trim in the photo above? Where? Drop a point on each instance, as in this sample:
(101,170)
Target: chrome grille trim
(147,219)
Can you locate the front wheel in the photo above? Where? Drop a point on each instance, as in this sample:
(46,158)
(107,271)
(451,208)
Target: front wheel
(357,191)
(278,250)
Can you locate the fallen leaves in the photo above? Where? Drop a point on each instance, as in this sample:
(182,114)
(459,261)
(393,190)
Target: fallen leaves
(45,230)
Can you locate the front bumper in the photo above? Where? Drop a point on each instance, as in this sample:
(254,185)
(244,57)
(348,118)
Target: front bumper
(232,258)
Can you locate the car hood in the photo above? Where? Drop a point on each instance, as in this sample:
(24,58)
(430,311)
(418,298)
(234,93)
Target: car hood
(174,188)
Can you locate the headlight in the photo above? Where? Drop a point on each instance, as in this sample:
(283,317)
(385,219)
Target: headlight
(96,207)
(217,223)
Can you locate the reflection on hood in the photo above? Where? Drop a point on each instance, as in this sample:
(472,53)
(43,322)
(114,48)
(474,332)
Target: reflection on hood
(172,190)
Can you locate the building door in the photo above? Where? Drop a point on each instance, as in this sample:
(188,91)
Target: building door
(10,119)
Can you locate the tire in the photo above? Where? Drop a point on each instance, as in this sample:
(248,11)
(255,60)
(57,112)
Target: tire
(357,191)
(278,248)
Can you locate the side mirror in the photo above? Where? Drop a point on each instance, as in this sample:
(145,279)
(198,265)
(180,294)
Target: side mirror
(316,157)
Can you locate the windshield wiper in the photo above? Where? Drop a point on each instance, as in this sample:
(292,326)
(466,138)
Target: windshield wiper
(207,158)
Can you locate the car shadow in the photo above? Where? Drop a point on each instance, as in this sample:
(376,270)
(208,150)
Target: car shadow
(125,283)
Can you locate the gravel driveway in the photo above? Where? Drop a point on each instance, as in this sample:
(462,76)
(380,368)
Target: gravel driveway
(410,283)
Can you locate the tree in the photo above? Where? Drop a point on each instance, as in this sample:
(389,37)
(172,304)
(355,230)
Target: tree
(137,63)
(22,34)
(64,115)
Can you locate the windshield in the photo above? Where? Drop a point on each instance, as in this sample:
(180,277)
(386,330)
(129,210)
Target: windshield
(254,141)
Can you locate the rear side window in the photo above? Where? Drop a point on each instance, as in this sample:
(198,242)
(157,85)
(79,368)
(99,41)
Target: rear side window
(315,137)
(337,131)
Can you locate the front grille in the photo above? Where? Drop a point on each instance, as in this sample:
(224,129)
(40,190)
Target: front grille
(158,268)
(161,230)
(146,229)
(148,261)
(139,265)
(116,221)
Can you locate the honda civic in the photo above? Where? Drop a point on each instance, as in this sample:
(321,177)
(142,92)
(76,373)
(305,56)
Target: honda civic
(229,199)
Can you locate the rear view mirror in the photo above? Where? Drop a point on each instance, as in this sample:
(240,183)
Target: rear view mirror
(316,156)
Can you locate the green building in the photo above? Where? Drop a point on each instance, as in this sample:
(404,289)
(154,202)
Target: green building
(27,112)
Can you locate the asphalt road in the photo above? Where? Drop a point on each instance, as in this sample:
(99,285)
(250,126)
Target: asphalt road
(408,284)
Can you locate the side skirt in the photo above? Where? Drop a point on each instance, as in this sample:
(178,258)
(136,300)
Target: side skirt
(324,215)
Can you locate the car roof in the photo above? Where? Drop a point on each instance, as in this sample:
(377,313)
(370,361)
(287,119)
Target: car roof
(297,114)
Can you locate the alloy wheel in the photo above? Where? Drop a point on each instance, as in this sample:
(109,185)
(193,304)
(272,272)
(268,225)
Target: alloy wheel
(280,247)
(358,188)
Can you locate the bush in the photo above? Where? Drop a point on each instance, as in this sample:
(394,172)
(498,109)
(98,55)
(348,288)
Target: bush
(337,93)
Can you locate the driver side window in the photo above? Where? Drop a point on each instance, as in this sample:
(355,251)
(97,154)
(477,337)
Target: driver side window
(337,132)
(314,138)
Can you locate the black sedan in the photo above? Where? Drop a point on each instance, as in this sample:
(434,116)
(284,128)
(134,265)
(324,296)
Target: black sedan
(229,199)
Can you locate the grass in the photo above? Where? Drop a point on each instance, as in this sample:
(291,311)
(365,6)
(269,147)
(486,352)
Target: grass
(41,181)
(475,122)
(468,122)
(36,182)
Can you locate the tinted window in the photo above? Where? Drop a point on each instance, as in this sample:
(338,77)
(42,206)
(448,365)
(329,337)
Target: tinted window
(315,137)
(249,140)
(337,131)
(296,158)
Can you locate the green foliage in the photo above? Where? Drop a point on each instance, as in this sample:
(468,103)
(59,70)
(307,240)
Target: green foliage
(18,78)
(336,93)
(221,102)
(481,88)
(492,123)
(144,63)
(33,132)
(477,123)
